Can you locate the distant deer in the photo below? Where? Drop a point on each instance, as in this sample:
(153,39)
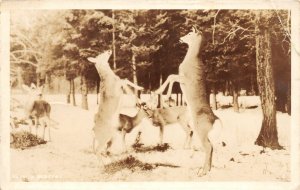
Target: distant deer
(36,109)
(112,88)
(192,83)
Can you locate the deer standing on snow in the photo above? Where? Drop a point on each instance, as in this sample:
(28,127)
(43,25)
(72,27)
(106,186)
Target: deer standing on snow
(112,89)
(37,110)
(192,83)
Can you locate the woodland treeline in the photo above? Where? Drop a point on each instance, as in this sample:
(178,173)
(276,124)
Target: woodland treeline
(146,49)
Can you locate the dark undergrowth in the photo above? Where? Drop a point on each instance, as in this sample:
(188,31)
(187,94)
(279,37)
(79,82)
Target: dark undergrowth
(133,164)
(23,140)
(139,148)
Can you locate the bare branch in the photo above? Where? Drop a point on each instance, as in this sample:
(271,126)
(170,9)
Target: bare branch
(23,37)
(26,51)
(245,36)
(19,42)
(24,61)
(233,31)
(285,28)
(17,60)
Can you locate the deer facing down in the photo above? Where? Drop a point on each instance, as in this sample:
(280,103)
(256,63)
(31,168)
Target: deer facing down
(192,83)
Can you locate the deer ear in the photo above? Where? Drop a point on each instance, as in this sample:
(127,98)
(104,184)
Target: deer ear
(91,59)
(32,86)
(193,29)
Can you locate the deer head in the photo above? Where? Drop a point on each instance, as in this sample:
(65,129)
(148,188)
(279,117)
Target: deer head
(33,93)
(193,37)
(101,61)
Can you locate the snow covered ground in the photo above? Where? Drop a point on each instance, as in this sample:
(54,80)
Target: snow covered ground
(69,156)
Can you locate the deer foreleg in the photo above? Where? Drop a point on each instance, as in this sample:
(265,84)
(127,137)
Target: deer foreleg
(48,125)
(170,81)
(44,129)
(175,79)
(126,83)
(36,125)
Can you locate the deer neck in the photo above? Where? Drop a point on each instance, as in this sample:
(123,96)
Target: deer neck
(193,52)
(104,71)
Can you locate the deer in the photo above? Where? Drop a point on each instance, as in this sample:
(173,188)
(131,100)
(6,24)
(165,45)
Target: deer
(192,83)
(112,89)
(161,117)
(36,109)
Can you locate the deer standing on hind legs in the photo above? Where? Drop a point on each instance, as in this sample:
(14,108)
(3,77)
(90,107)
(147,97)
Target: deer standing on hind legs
(112,89)
(192,83)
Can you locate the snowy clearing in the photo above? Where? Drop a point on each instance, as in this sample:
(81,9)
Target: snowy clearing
(69,156)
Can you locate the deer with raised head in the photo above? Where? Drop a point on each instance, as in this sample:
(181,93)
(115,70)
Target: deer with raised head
(112,89)
(192,83)
(36,109)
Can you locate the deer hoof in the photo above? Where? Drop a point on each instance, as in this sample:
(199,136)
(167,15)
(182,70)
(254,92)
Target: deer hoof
(203,172)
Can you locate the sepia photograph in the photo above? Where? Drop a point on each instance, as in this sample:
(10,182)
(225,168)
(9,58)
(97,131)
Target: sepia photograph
(150,95)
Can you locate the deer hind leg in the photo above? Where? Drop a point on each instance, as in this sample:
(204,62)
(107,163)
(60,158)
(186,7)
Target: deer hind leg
(105,137)
(170,81)
(161,134)
(36,123)
(100,154)
(202,128)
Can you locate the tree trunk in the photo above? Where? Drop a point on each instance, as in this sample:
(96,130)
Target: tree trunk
(38,78)
(235,102)
(214,99)
(268,133)
(159,105)
(252,88)
(69,93)
(73,92)
(181,99)
(134,76)
(149,79)
(114,41)
(226,93)
(288,103)
(47,83)
(84,93)
(20,80)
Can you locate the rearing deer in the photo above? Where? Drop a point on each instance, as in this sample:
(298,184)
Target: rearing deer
(112,89)
(192,83)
